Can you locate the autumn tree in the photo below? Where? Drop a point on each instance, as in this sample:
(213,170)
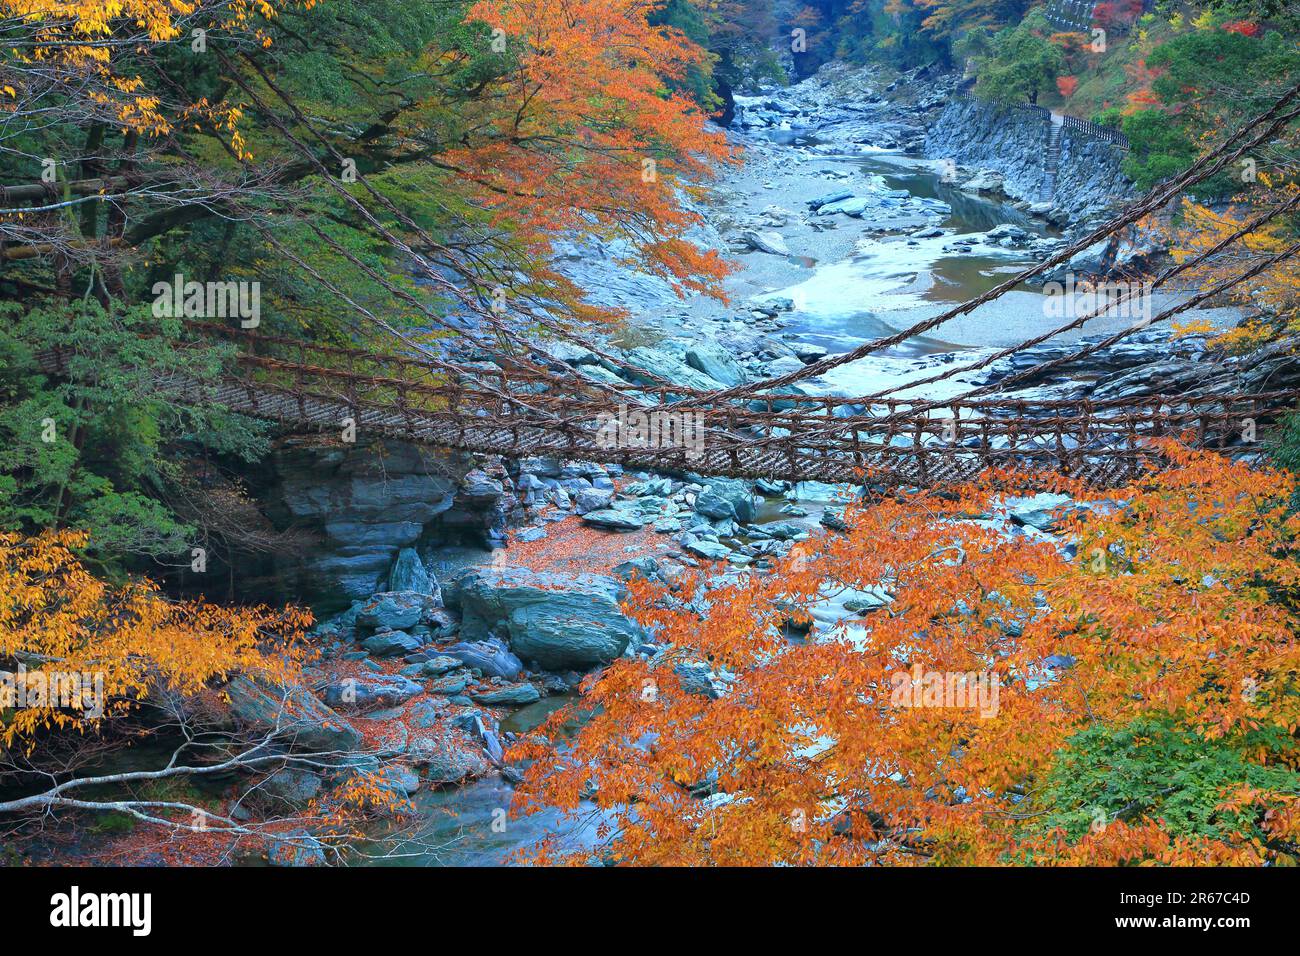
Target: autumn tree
(1189,91)
(950,19)
(88,669)
(1272,301)
(1124,694)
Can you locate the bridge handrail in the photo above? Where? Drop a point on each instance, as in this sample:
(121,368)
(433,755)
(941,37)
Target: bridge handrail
(1087,127)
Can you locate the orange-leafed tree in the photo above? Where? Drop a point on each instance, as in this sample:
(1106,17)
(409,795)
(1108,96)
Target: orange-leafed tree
(131,639)
(1273,297)
(87,668)
(583,134)
(1124,693)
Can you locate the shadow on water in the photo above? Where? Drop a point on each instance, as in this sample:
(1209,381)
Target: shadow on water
(970,213)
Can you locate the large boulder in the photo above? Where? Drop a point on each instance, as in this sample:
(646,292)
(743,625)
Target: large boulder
(392,644)
(615,519)
(825,200)
(713,505)
(443,760)
(397,610)
(512,695)
(728,498)
(371,691)
(441,756)
(668,368)
(1039,511)
(716,362)
(854,206)
(593,499)
(293,786)
(410,574)
(559,621)
(491,656)
(770,242)
(296,715)
(295,848)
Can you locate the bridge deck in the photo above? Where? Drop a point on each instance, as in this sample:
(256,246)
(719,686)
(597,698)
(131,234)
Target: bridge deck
(775,436)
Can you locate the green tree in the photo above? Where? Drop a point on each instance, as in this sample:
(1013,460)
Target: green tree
(1020,65)
(96,448)
(1207,79)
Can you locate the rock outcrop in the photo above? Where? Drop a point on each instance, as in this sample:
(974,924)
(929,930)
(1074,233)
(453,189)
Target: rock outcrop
(1013,142)
(558,622)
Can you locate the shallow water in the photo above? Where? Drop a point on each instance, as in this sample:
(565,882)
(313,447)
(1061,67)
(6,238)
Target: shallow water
(842,304)
(473,825)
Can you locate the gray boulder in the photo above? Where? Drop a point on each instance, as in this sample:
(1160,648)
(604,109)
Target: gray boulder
(669,369)
(433,667)
(744,504)
(295,848)
(593,499)
(473,723)
(371,691)
(291,785)
(615,519)
(645,567)
(444,759)
(854,207)
(713,505)
(490,656)
(410,574)
(837,196)
(516,695)
(295,713)
(769,242)
(450,686)
(391,644)
(716,362)
(397,610)
(427,714)
(709,550)
(1036,511)
(397,778)
(560,621)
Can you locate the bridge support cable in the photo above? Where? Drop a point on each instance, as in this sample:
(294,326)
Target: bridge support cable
(1160,280)
(924,406)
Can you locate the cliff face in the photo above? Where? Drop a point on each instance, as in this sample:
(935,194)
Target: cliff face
(351,509)
(1014,143)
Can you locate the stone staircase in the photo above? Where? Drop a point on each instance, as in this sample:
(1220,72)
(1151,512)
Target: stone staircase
(1072,15)
(1052,160)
